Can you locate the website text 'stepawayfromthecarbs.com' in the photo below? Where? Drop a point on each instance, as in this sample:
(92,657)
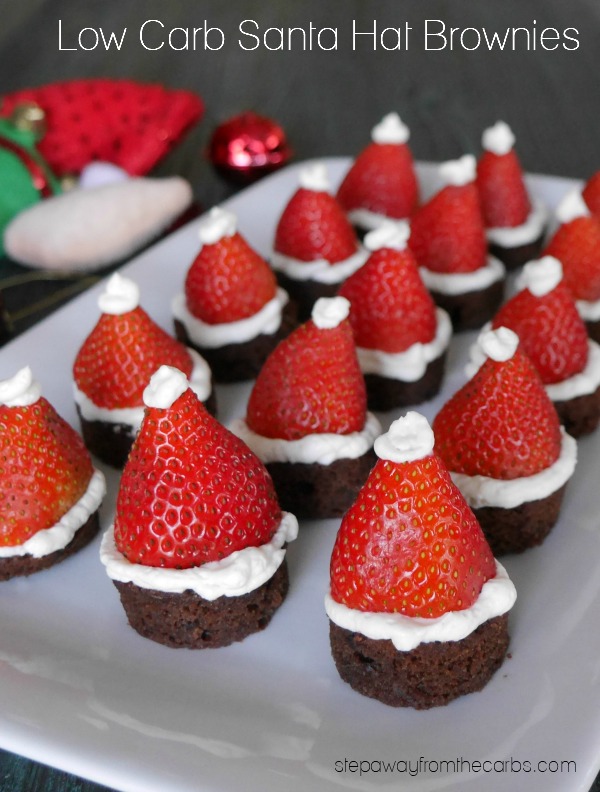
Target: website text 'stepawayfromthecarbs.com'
(456,766)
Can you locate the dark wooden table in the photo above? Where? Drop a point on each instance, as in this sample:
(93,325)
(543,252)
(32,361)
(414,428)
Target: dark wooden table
(326,100)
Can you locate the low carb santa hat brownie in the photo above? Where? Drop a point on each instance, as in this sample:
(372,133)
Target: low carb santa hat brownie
(114,365)
(401,337)
(315,247)
(449,243)
(514,223)
(307,418)
(501,439)
(576,244)
(381,184)
(50,492)
(231,311)
(554,337)
(418,607)
(197,551)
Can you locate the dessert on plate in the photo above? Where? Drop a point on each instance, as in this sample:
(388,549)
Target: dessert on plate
(307,416)
(448,240)
(501,440)
(544,316)
(418,607)
(231,310)
(401,337)
(315,247)
(515,223)
(114,365)
(381,184)
(197,550)
(50,492)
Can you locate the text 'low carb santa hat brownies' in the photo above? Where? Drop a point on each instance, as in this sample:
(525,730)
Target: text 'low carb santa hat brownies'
(114,365)
(231,311)
(418,607)
(197,550)
(50,492)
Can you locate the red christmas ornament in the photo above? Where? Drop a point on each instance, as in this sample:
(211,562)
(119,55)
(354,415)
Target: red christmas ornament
(248,146)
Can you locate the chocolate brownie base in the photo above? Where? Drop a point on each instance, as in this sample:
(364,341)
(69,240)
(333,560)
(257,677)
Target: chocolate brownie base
(18,566)
(430,675)
(593,329)
(518,529)
(305,293)
(581,415)
(313,491)
(515,257)
(384,393)
(471,310)
(238,362)
(111,442)
(188,621)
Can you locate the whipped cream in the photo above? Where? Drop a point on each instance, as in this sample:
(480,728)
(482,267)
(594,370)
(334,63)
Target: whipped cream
(212,336)
(409,365)
(320,449)
(389,234)
(329,312)
(166,385)
(497,596)
(588,310)
(529,231)
(499,345)
(571,207)
(409,438)
(237,574)
(319,270)
(200,382)
(49,540)
(120,296)
(462,282)
(459,172)
(498,139)
(216,225)
(482,491)
(368,220)
(314,177)
(390,129)
(540,276)
(587,381)
(21,390)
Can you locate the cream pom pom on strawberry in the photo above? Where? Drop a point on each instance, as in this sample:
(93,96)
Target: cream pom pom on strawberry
(50,492)
(315,247)
(114,365)
(381,183)
(448,240)
(231,310)
(307,416)
(411,568)
(501,439)
(544,316)
(197,519)
(514,223)
(401,337)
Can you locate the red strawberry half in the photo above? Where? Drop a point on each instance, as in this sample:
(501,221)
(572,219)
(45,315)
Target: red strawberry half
(227,280)
(191,492)
(390,307)
(591,194)
(311,383)
(501,424)
(313,225)
(447,232)
(130,124)
(546,320)
(409,544)
(44,465)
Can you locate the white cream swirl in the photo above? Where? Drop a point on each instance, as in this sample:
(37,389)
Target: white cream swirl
(319,270)
(120,296)
(21,390)
(581,384)
(463,282)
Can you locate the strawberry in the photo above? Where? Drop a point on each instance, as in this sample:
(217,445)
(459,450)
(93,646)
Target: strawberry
(130,124)
(501,424)
(313,225)
(382,179)
(227,280)
(390,307)
(591,194)
(546,320)
(311,382)
(576,244)
(502,191)
(409,544)
(44,465)
(191,492)
(117,359)
(447,232)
